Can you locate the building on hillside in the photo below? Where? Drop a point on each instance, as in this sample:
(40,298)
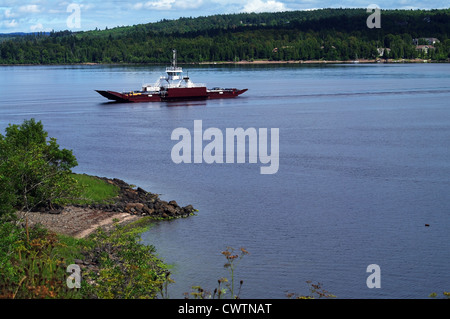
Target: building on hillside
(423,41)
(424,48)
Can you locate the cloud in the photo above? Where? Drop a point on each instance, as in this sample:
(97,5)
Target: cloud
(86,7)
(37,27)
(30,8)
(137,6)
(264,6)
(10,24)
(189,4)
(167,5)
(9,14)
(159,5)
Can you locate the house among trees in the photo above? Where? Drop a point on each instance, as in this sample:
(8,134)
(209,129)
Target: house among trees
(425,41)
(424,45)
(424,48)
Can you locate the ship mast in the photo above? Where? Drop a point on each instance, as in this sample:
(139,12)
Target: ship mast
(173,72)
(174,60)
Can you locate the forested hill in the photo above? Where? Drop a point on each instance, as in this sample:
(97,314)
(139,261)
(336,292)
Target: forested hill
(327,34)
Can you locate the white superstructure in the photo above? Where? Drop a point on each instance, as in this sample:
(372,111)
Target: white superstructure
(173,79)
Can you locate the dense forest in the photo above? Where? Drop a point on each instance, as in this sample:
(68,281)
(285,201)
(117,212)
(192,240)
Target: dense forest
(325,34)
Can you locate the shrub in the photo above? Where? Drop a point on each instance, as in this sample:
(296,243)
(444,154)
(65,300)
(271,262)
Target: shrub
(34,171)
(32,264)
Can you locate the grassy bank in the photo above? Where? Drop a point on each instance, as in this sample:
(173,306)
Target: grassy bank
(94,190)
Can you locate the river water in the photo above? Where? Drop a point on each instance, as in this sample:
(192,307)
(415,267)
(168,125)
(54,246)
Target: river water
(364,164)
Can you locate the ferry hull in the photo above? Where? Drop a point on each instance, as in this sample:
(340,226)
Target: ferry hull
(224,94)
(129,97)
(171,94)
(184,93)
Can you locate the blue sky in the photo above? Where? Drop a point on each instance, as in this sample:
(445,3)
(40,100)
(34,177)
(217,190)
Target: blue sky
(77,15)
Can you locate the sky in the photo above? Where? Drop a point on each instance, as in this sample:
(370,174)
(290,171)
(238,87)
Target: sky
(82,15)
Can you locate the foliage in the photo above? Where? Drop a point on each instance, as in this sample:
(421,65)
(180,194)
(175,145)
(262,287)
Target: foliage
(128,269)
(32,264)
(328,34)
(315,290)
(232,260)
(445,295)
(34,171)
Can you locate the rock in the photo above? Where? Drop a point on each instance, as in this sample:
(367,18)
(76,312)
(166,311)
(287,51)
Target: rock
(148,210)
(173,203)
(170,209)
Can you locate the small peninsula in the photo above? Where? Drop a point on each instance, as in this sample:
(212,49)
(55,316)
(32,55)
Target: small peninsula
(130,204)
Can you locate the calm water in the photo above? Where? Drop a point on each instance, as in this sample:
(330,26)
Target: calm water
(364,165)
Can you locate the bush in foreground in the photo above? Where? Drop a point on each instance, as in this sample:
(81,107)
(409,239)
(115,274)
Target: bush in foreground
(34,171)
(114,265)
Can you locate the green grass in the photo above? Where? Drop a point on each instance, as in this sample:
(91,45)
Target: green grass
(95,190)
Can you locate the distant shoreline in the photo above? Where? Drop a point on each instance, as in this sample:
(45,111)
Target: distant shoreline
(245,62)
(363,61)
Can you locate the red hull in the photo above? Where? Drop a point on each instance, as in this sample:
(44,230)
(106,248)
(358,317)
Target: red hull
(224,94)
(172,94)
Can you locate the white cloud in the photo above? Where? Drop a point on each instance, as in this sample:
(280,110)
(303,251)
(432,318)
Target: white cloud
(167,5)
(86,7)
(37,27)
(160,5)
(264,6)
(9,14)
(10,24)
(137,6)
(189,4)
(30,8)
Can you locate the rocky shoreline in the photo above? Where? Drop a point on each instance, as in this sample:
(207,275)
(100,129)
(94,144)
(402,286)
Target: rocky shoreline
(141,203)
(130,205)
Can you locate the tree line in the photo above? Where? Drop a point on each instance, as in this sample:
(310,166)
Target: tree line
(327,34)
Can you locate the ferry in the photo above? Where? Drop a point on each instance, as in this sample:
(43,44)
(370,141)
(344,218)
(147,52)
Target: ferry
(172,87)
